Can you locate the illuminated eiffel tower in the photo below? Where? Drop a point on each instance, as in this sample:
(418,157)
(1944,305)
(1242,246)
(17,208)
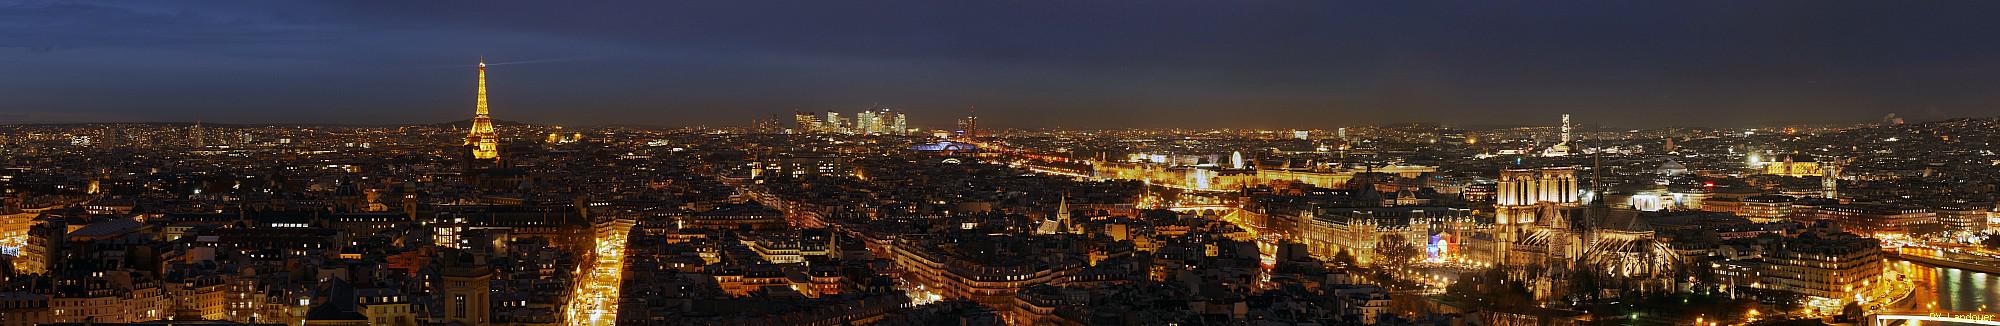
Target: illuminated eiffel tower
(485,144)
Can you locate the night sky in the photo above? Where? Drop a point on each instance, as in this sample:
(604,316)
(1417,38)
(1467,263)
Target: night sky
(1070,64)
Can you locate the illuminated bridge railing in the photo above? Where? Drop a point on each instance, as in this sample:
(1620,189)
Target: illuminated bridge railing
(1190,208)
(1962,317)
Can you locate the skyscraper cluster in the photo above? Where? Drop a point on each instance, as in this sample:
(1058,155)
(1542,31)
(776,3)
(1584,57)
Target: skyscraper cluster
(969,126)
(877,121)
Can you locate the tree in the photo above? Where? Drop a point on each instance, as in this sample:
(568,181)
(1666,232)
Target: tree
(1584,286)
(1852,312)
(1344,258)
(1394,249)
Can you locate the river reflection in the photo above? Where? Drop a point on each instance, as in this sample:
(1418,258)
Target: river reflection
(1951,289)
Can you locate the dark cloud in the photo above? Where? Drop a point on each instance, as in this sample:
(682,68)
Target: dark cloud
(1073,64)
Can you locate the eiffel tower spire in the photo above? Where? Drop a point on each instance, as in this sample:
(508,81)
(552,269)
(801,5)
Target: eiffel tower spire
(486,145)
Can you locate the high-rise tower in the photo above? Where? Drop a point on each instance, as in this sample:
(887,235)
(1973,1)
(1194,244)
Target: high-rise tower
(1829,179)
(807,122)
(1562,148)
(485,144)
(867,122)
(969,126)
(833,123)
(195,134)
(899,126)
(1565,129)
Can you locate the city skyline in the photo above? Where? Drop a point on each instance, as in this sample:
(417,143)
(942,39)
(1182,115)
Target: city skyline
(1090,66)
(893,163)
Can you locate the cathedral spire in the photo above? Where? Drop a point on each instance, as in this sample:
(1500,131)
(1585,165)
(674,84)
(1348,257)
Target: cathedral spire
(1059,223)
(1062,209)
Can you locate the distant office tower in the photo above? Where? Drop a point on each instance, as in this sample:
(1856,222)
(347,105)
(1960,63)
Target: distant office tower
(1341,133)
(969,126)
(195,134)
(1301,134)
(867,122)
(899,126)
(1562,148)
(1565,130)
(114,137)
(770,125)
(1829,179)
(833,123)
(807,122)
(880,121)
(484,142)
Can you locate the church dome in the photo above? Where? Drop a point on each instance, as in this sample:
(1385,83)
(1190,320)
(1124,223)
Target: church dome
(1671,168)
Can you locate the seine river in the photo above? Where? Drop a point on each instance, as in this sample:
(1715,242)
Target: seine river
(1952,289)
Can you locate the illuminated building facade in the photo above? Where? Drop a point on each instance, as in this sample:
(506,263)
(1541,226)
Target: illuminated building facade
(1793,169)
(733,217)
(1963,217)
(1524,187)
(386,307)
(991,275)
(1875,218)
(1226,178)
(466,291)
(24,309)
(44,246)
(1649,202)
(1519,190)
(801,165)
(792,248)
(1838,267)
(1331,180)
(807,123)
(1361,230)
(484,142)
(1767,208)
(1533,212)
